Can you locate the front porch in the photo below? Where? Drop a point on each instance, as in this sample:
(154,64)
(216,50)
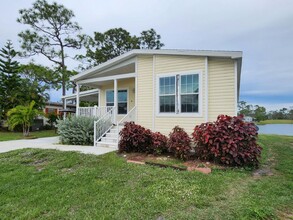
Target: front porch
(116,103)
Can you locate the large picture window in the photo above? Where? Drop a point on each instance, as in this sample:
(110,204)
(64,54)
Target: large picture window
(179,93)
(122,100)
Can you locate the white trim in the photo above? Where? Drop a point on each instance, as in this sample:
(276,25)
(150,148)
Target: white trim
(77,96)
(99,99)
(206,90)
(181,114)
(118,89)
(154,95)
(108,78)
(136,86)
(235,85)
(132,53)
(115,101)
(82,94)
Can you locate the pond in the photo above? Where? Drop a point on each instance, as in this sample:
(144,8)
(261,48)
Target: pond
(280,129)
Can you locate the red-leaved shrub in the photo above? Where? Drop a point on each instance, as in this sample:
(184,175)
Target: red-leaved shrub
(135,138)
(159,143)
(179,143)
(229,140)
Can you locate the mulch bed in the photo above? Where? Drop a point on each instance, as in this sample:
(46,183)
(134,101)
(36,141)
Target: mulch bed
(167,162)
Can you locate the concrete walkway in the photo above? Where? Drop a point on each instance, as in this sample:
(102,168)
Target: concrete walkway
(51,143)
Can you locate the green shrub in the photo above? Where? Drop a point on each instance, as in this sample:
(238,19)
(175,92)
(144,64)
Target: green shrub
(76,130)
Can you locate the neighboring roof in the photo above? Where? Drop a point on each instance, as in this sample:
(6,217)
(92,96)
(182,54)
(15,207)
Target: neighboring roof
(133,53)
(57,104)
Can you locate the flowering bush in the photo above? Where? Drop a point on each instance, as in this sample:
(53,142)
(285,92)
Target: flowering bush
(179,143)
(229,140)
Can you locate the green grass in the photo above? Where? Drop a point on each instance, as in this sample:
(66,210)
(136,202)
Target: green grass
(282,121)
(49,184)
(7,136)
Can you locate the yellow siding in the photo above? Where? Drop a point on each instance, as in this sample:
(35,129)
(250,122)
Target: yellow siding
(221,90)
(145,91)
(121,84)
(222,97)
(173,64)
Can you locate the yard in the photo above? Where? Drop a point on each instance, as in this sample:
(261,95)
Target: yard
(53,185)
(9,135)
(275,121)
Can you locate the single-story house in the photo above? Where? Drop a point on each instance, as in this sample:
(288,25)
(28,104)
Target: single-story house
(160,89)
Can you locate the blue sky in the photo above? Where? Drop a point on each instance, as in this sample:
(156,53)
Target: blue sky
(262,29)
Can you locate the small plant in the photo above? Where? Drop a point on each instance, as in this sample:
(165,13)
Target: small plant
(52,118)
(24,116)
(135,138)
(76,130)
(229,140)
(179,143)
(159,143)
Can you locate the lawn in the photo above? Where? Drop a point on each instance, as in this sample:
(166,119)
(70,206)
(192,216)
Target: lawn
(7,136)
(49,184)
(282,121)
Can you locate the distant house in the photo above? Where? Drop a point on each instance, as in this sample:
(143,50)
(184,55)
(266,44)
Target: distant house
(248,118)
(55,107)
(159,89)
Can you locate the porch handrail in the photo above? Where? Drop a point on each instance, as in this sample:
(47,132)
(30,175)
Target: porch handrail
(130,115)
(104,124)
(93,111)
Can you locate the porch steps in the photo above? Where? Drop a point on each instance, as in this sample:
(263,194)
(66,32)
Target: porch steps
(110,139)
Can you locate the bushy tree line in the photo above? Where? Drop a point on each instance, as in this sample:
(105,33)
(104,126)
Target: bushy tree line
(260,113)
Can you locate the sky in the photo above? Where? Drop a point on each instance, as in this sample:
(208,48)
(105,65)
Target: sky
(262,29)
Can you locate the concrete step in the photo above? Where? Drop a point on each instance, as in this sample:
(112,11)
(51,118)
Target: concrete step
(112,135)
(109,139)
(107,144)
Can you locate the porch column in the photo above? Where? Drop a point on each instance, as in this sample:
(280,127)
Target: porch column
(115,101)
(77,99)
(65,106)
(135,95)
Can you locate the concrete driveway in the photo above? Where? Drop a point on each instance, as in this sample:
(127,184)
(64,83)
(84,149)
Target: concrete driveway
(51,143)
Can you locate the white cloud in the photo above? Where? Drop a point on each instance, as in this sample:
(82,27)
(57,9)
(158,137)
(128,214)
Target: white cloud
(261,29)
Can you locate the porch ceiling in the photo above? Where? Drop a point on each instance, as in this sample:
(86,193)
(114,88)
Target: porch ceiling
(130,68)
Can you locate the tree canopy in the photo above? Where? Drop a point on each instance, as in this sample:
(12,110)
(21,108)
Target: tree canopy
(15,89)
(51,32)
(114,42)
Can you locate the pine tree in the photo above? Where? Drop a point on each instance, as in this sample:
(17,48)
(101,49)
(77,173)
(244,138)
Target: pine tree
(16,88)
(10,81)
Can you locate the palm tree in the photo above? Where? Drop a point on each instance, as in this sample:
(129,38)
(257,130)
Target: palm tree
(22,115)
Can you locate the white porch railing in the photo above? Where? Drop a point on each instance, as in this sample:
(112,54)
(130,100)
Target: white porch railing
(104,124)
(131,116)
(93,111)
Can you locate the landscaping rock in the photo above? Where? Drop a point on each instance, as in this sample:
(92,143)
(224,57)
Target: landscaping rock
(136,162)
(204,170)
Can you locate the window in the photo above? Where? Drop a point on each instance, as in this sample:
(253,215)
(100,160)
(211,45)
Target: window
(122,100)
(189,93)
(167,94)
(179,93)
